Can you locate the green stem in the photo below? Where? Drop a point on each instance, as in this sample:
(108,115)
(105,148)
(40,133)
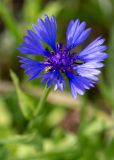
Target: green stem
(39,108)
(42,101)
(83,114)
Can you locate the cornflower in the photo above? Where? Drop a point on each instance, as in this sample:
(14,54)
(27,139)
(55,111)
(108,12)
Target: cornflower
(60,62)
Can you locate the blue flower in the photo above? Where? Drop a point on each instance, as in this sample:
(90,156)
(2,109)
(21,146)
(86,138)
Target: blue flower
(59,62)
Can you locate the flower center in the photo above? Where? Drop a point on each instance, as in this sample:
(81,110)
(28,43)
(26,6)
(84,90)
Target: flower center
(62,59)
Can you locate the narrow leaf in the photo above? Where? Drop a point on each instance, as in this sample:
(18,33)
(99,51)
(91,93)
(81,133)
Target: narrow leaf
(9,21)
(110,61)
(25,103)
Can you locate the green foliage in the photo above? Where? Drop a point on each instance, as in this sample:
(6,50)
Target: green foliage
(52,8)
(25,102)
(110,61)
(65,129)
(9,21)
(34,8)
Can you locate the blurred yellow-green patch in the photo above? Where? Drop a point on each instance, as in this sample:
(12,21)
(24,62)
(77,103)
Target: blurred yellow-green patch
(67,129)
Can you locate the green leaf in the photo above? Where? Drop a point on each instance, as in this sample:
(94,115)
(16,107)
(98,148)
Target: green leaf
(32,138)
(106,86)
(9,21)
(94,127)
(16,139)
(52,8)
(110,61)
(106,92)
(4,153)
(106,7)
(26,104)
(33,7)
(5,116)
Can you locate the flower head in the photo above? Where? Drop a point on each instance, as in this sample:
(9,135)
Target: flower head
(79,68)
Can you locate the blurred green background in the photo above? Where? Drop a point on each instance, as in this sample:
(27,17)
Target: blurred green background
(81,129)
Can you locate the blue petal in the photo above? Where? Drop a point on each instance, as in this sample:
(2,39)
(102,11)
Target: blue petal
(49,77)
(59,83)
(32,67)
(53,77)
(94,51)
(46,31)
(76,33)
(87,72)
(32,45)
(78,84)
